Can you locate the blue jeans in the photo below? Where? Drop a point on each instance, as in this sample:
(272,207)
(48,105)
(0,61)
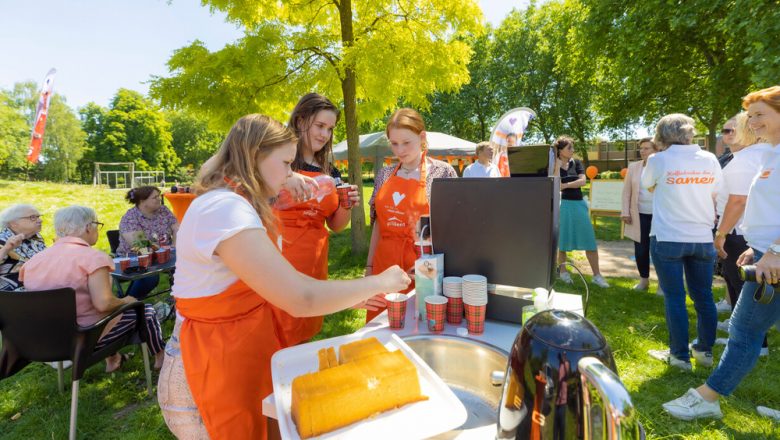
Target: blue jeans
(696,261)
(749,323)
(142,287)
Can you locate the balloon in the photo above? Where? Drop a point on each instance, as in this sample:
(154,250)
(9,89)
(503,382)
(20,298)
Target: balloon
(623,172)
(591,172)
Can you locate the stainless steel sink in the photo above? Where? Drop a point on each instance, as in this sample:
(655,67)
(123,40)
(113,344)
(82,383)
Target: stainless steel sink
(473,370)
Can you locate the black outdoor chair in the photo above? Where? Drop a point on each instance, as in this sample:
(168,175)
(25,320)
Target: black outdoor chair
(113,240)
(41,327)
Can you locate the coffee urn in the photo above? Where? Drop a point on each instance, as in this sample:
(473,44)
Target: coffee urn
(561,383)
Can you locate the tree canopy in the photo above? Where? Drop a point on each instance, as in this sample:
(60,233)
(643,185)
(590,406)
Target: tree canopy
(367,55)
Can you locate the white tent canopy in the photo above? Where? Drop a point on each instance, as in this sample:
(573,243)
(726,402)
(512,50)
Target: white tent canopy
(376,147)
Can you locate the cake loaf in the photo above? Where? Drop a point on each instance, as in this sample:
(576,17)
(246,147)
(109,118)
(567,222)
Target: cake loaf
(339,396)
(327,358)
(360,349)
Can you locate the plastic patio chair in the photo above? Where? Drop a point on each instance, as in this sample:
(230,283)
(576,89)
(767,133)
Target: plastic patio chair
(113,240)
(40,326)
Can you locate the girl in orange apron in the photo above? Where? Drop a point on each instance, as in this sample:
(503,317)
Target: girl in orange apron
(227,338)
(304,234)
(399,203)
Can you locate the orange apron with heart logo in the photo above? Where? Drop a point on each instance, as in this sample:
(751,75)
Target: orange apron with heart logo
(305,246)
(399,203)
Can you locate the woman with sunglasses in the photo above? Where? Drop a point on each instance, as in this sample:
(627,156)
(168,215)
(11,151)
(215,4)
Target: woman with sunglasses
(20,239)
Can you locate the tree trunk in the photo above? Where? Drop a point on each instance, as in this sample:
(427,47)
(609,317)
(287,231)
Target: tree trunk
(712,134)
(349,90)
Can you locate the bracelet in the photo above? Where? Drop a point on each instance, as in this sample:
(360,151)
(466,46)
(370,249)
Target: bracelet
(719,234)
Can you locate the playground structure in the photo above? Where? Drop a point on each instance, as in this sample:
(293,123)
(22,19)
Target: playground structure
(123,175)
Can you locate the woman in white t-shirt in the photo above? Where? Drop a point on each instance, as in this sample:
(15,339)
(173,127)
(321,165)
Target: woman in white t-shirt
(684,179)
(738,174)
(230,275)
(761,226)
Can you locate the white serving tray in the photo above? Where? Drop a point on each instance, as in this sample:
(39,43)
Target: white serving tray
(440,413)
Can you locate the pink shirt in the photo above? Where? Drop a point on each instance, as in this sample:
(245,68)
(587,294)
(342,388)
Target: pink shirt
(68,263)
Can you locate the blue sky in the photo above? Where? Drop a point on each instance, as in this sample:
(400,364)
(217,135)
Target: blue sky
(98,46)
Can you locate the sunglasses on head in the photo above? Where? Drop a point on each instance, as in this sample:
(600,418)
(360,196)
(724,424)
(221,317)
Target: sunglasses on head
(727,131)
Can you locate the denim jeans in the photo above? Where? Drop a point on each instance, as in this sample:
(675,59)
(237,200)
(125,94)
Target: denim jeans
(749,323)
(696,261)
(143,286)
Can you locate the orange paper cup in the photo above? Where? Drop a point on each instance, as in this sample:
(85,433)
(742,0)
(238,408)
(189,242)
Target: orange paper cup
(435,310)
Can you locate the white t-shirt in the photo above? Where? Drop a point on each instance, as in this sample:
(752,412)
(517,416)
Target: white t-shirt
(211,219)
(478,170)
(685,178)
(761,224)
(739,174)
(645,201)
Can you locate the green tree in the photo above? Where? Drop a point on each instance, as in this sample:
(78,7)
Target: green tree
(132,129)
(63,140)
(471,112)
(192,139)
(656,57)
(366,54)
(14,135)
(538,65)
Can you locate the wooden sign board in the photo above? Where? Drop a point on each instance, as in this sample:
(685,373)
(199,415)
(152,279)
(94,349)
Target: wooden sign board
(606,195)
(606,199)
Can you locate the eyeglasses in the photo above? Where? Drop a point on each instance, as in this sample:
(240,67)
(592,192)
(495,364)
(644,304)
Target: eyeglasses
(98,224)
(727,131)
(32,218)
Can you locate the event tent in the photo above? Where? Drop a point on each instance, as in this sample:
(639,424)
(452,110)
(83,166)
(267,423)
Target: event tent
(375,147)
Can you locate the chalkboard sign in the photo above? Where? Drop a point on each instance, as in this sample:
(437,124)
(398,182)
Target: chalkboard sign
(606,195)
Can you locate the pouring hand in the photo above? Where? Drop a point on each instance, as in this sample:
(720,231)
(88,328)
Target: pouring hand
(301,187)
(745,258)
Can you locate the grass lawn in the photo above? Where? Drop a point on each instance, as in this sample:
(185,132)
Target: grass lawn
(115,405)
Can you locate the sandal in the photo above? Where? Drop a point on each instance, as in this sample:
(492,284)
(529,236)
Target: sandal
(122,358)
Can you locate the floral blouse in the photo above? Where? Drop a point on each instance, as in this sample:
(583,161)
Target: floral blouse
(434,169)
(154,227)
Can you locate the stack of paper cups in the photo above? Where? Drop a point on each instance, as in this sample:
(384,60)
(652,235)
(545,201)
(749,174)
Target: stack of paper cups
(453,289)
(474,290)
(475,302)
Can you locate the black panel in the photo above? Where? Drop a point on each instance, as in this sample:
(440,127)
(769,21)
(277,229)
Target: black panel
(504,228)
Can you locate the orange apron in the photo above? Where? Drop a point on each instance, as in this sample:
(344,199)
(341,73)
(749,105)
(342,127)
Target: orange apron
(399,203)
(305,246)
(227,341)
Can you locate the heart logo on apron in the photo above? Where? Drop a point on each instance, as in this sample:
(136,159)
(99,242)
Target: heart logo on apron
(397,197)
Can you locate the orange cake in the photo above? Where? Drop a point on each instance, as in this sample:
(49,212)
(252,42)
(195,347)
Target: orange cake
(336,397)
(360,349)
(327,358)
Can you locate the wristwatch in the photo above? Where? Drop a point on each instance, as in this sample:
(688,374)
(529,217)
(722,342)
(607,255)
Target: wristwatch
(774,249)
(719,234)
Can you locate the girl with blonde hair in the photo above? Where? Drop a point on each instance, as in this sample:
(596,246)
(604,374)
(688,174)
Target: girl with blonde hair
(230,275)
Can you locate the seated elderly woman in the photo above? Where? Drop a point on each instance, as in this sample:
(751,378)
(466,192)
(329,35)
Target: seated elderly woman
(149,218)
(72,262)
(20,239)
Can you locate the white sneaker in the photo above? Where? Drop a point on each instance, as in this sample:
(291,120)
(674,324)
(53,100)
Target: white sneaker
(600,281)
(692,406)
(721,341)
(659,292)
(724,325)
(640,287)
(764,352)
(722,306)
(768,412)
(665,356)
(566,277)
(65,364)
(703,358)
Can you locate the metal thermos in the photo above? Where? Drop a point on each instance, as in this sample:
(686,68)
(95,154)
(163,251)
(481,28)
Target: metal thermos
(561,383)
